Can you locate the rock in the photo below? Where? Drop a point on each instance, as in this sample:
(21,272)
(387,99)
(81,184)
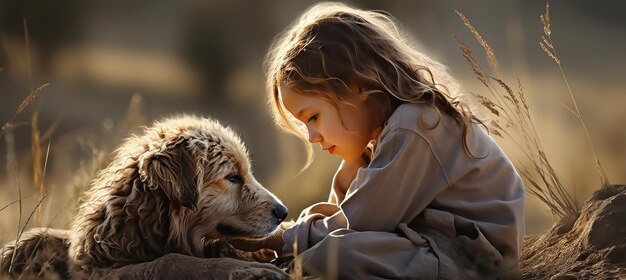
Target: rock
(564,277)
(590,245)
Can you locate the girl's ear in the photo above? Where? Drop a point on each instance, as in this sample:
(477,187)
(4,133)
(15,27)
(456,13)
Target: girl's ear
(176,170)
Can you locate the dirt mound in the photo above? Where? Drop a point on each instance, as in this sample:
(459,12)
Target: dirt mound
(591,245)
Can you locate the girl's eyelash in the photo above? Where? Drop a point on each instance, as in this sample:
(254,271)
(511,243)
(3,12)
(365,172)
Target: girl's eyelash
(313,118)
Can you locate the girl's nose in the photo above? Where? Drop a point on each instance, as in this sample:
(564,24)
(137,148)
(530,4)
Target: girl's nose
(315,137)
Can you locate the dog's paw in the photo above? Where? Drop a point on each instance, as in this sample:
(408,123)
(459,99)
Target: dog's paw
(259,271)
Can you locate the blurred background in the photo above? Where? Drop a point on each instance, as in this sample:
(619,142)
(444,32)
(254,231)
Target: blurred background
(113,66)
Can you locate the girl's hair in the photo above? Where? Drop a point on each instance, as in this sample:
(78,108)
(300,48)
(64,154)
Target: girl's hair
(333,47)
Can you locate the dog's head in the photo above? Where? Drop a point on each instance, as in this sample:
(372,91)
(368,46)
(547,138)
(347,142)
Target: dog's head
(203,169)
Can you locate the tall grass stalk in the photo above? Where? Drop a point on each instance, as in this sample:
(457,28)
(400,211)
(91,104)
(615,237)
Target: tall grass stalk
(38,167)
(512,121)
(13,202)
(2,260)
(34,124)
(19,219)
(297,272)
(548,47)
(20,232)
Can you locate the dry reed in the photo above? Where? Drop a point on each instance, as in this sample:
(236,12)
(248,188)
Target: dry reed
(491,56)
(15,201)
(512,121)
(19,220)
(10,125)
(547,45)
(39,167)
(297,272)
(20,232)
(34,123)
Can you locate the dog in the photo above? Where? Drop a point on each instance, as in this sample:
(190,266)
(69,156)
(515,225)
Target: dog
(173,195)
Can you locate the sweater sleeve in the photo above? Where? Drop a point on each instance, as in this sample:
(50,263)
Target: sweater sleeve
(314,223)
(403,178)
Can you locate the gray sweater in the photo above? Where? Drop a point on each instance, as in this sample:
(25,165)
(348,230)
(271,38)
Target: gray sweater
(422,186)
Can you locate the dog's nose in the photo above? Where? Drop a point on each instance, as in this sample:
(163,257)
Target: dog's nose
(280,212)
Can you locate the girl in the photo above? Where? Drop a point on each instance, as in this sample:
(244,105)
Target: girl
(422,191)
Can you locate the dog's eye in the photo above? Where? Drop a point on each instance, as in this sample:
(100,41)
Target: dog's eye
(235,179)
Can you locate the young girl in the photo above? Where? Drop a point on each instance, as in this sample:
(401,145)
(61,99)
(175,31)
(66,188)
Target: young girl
(422,191)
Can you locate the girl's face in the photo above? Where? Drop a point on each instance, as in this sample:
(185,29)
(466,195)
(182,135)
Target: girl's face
(324,122)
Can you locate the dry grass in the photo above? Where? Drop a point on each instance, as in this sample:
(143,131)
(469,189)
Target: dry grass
(512,121)
(39,167)
(40,213)
(548,47)
(40,206)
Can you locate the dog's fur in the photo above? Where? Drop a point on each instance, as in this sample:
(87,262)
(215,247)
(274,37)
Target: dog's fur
(184,186)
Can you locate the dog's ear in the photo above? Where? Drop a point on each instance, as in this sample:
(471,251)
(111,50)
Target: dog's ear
(177,168)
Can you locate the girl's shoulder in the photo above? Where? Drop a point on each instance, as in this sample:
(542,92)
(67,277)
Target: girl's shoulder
(440,130)
(417,117)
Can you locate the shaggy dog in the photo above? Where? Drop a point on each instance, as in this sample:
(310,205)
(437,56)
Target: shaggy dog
(179,191)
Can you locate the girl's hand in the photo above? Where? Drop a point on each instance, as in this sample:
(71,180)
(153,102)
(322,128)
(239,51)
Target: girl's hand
(274,242)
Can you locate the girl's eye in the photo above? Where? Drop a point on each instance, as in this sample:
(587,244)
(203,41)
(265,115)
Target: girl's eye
(235,179)
(313,118)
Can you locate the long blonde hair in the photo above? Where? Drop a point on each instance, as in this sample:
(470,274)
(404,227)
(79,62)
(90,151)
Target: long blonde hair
(333,46)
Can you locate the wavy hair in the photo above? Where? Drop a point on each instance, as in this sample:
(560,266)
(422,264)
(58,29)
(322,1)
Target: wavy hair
(333,47)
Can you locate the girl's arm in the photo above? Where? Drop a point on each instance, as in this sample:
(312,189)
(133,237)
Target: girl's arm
(403,177)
